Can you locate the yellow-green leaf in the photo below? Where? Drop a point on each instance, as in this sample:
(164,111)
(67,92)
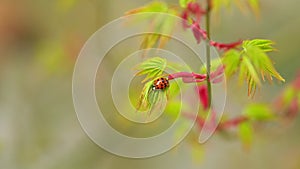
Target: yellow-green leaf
(231,60)
(246,134)
(288,95)
(248,72)
(258,112)
(152,67)
(155,6)
(143,103)
(264,44)
(254,5)
(173,108)
(262,62)
(183,3)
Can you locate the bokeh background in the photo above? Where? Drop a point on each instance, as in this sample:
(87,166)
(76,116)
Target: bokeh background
(39,43)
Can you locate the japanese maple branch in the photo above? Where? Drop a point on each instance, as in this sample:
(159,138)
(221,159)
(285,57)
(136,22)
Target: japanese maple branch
(208,66)
(230,123)
(191,77)
(290,110)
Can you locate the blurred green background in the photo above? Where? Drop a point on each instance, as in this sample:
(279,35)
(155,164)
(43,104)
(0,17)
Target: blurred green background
(39,43)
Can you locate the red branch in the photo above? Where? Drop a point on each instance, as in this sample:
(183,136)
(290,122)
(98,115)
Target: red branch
(290,111)
(222,126)
(225,46)
(232,122)
(187,77)
(194,12)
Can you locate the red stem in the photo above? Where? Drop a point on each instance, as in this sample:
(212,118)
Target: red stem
(232,122)
(222,126)
(186,75)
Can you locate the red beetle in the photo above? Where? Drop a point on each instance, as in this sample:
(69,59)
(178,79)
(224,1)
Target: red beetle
(160,83)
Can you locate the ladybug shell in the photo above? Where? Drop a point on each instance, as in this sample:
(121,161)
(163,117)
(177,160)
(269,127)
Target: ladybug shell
(161,83)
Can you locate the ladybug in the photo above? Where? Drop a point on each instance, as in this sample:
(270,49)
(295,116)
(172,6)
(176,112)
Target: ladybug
(160,84)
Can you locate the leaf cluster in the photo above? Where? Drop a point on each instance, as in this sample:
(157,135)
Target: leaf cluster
(243,5)
(253,112)
(161,25)
(252,62)
(152,69)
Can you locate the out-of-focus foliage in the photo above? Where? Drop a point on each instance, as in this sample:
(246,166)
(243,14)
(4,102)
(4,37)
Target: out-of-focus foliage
(162,24)
(241,4)
(155,6)
(258,112)
(246,134)
(183,3)
(288,95)
(65,5)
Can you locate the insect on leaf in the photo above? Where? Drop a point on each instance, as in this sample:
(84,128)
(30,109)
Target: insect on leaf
(152,101)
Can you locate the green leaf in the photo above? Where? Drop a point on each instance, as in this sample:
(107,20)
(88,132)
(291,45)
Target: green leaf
(254,5)
(288,95)
(161,25)
(143,103)
(218,4)
(248,72)
(258,112)
(183,3)
(246,134)
(152,67)
(215,63)
(173,108)
(175,67)
(157,100)
(263,63)
(150,40)
(174,89)
(264,44)
(151,100)
(255,61)
(155,6)
(231,60)
(241,4)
